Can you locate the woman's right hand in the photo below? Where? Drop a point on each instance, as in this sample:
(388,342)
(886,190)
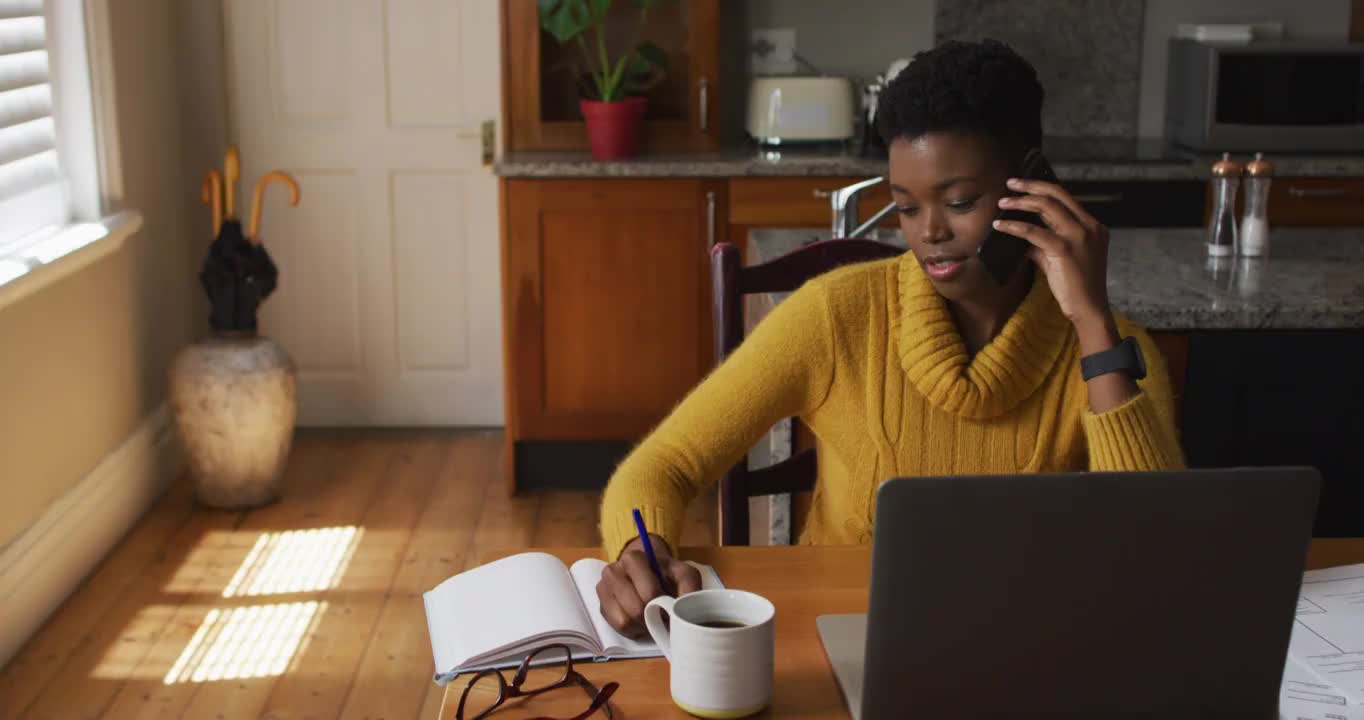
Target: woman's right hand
(628,584)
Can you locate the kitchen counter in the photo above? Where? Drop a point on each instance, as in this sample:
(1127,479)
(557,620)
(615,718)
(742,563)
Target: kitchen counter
(1163,279)
(1098,159)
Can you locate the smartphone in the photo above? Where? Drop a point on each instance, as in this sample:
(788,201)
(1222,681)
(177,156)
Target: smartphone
(1001,252)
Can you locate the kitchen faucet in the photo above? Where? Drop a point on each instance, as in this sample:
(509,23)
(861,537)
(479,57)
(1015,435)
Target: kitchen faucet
(844,202)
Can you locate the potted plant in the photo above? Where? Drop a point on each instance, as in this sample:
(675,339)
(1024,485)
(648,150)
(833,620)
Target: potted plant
(611,83)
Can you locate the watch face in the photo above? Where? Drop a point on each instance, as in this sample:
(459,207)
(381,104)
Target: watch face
(1139,360)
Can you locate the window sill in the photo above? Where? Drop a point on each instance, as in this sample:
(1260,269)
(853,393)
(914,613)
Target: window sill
(32,267)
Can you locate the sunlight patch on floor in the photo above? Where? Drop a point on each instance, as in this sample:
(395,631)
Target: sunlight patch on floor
(294,561)
(245,642)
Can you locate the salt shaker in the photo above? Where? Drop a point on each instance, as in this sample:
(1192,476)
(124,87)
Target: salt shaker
(1226,176)
(1255,222)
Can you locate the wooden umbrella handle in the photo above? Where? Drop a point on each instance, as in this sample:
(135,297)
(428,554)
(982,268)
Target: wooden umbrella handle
(253,229)
(232,169)
(211,192)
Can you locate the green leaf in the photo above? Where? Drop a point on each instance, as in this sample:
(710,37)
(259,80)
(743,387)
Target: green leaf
(648,3)
(649,56)
(564,19)
(648,65)
(599,9)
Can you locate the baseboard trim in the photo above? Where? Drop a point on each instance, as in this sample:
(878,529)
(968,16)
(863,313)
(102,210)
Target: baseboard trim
(40,568)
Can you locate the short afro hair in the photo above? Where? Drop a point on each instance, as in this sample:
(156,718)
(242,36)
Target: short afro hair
(982,87)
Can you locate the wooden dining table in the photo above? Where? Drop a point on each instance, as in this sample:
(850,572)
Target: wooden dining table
(803,583)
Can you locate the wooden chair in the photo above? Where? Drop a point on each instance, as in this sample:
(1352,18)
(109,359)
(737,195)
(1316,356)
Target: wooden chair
(730,282)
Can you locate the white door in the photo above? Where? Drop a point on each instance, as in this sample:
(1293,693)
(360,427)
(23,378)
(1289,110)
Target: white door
(388,296)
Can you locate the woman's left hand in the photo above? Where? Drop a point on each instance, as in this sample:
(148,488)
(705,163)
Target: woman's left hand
(1072,250)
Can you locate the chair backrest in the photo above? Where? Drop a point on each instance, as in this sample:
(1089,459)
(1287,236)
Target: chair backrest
(730,282)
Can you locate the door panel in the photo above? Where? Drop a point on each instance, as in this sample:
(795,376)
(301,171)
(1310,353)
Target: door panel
(317,249)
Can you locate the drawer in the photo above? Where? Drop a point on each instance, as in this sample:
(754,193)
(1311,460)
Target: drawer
(1320,202)
(796,202)
(804,202)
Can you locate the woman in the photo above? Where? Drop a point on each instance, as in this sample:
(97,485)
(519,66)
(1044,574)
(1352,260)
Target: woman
(923,364)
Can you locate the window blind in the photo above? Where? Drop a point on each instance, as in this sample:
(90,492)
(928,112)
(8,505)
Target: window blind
(32,189)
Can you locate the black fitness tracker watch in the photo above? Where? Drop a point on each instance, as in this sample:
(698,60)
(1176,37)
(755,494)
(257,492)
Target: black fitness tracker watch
(1125,357)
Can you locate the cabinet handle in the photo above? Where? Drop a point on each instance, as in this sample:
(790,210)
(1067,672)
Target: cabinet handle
(710,219)
(1326,192)
(822,194)
(704,103)
(1099,198)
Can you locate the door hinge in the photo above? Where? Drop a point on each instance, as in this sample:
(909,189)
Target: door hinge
(489,142)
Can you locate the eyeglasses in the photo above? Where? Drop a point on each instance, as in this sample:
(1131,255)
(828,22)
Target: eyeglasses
(537,674)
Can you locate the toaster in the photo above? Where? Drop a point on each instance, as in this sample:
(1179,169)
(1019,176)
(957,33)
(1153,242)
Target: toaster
(785,110)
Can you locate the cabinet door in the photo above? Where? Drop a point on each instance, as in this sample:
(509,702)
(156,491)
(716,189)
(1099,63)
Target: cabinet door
(1282,397)
(541,107)
(1174,347)
(607,297)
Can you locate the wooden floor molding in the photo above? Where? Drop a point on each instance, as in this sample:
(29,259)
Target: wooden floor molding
(307,608)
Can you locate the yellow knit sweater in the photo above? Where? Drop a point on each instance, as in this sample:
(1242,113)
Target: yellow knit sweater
(869,358)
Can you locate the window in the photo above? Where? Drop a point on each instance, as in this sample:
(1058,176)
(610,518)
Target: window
(50,164)
(33,194)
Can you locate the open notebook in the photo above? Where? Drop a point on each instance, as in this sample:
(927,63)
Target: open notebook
(493,615)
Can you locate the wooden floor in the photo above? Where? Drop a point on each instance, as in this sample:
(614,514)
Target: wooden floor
(308,608)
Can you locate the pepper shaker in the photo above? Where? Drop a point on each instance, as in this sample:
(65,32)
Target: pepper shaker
(1226,176)
(1254,231)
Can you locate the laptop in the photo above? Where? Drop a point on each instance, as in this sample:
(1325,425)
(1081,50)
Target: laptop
(1163,594)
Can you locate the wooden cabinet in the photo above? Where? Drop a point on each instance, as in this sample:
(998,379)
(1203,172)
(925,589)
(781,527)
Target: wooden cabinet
(606,302)
(804,201)
(1316,202)
(797,201)
(540,110)
(1309,201)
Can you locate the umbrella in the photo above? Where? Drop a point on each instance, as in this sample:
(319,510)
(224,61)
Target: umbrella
(238,274)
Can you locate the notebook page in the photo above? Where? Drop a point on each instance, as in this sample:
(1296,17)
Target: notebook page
(1328,632)
(587,573)
(1304,697)
(502,606)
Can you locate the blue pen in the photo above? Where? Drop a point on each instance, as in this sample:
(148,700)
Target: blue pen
(649,552)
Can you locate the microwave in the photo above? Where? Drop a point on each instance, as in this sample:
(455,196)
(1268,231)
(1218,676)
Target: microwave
(1271,96)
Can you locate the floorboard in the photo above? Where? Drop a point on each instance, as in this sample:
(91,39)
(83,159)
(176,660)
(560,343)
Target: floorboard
(306,608)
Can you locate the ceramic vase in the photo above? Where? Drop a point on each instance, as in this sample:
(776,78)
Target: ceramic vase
(234,398)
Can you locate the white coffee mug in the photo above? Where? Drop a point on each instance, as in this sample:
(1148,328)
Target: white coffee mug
(716,672)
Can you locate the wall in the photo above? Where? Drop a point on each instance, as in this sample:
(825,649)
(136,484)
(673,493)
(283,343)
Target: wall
(1317,18)
(84,360)
(1087,54)
(203,116)
(856,38)
(860,37)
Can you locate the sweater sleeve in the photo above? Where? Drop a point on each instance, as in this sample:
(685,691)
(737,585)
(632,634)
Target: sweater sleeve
(783,368)
(1139,434)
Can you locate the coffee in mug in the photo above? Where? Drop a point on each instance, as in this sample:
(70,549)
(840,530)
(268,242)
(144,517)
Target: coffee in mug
(719,645)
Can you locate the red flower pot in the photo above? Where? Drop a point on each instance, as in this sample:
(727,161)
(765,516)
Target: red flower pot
(613,127)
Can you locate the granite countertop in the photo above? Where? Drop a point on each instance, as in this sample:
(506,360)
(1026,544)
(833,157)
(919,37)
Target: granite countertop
(1073,159)
(1164,280)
